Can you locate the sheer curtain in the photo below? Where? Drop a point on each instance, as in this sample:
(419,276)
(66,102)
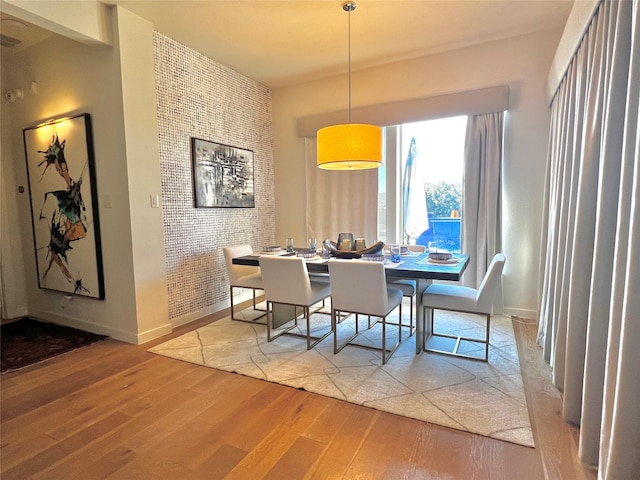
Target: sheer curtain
(340,201)
(481,224)
(590,284)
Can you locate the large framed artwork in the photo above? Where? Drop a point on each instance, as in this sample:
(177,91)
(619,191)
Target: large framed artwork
(222,175)
(64,206)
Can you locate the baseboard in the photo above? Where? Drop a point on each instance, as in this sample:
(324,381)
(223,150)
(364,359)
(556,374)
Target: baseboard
(520,312)
(216,308)
(121,335)
(70,322)
(6,321)
(193,316)
(153,334)
(139,338)
(16,315)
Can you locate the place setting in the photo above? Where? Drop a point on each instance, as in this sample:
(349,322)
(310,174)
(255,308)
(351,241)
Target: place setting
(441,258)
(309,254)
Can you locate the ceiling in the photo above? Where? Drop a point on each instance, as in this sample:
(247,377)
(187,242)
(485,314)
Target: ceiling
(280,43)
(18,35)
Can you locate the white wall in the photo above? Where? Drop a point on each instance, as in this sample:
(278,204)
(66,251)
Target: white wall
(106,83)
(521,62)
(12,278)
(134,44)
(163,266)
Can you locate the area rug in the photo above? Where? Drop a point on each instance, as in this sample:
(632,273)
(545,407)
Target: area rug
(26,342)
(483,398)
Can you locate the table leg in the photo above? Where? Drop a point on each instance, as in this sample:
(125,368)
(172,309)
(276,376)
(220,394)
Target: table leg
(282,314)
(421,285)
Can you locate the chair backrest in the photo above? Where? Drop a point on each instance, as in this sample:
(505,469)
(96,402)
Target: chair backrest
(358,286)
(236,271)
(285,280)
(490,283)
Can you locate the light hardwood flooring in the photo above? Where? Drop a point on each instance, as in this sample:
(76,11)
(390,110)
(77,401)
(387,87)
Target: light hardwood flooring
(115,411)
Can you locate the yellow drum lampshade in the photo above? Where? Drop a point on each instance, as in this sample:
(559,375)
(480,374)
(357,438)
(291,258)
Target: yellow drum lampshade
(350,146)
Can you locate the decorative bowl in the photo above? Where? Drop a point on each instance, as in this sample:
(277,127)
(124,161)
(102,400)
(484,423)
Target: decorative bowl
(306,253)
(335,252)
(272,249)
(440,256)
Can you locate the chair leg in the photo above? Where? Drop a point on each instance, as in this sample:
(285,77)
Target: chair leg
(306,311)
(411,331)
(255,320)
(254,301)
(400,326)
(306,316)
(336,347)
(334,327)
(375,321)
(457,338)
(269,321)
(486,348)
(431,318)
(386,354)
(384,338)
(309,337)
(270,324)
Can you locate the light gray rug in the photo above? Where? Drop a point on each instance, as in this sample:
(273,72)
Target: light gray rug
(483,398)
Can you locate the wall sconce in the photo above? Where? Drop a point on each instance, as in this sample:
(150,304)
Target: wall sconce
(18,93)
(13,95)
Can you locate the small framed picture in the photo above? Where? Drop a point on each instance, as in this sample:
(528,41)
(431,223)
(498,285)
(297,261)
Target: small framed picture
(222,175)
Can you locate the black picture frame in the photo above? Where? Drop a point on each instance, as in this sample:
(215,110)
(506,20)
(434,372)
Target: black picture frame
(223,175)
(64,206)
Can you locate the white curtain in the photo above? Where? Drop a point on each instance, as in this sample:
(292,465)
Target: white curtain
(590,284)
(481,224)
(340,201)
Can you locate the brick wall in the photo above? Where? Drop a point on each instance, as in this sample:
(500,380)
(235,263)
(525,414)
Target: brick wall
(198,97)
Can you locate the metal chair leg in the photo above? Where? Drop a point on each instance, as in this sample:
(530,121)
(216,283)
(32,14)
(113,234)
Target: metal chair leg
(255,320)
(457,338)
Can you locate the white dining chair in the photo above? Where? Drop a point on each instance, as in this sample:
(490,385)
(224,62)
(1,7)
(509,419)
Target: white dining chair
(360,287)
(242,276)
(464,299)
(408,287)
(286,281)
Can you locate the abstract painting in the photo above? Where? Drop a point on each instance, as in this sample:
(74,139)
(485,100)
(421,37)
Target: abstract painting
(222,175)
(64,206)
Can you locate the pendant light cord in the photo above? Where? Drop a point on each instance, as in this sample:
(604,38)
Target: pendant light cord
(349,7)
(349,30)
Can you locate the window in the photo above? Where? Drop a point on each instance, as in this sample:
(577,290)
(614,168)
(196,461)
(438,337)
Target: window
(430,172)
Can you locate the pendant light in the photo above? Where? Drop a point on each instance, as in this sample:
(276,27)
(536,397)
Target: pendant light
(349,146)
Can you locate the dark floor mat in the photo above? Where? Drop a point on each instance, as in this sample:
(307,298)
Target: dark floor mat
(27,341)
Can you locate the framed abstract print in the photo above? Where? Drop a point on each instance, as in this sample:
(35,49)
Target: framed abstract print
(64,206)
(222,175)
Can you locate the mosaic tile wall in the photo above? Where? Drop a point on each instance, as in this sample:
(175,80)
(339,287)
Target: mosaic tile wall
(198,97)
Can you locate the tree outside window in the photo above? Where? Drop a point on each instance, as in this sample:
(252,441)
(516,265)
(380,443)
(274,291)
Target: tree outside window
(443,198)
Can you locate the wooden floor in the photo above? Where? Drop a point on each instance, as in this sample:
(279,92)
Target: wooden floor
(115,411)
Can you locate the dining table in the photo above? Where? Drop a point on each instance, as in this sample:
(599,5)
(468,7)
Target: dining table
(412,266)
